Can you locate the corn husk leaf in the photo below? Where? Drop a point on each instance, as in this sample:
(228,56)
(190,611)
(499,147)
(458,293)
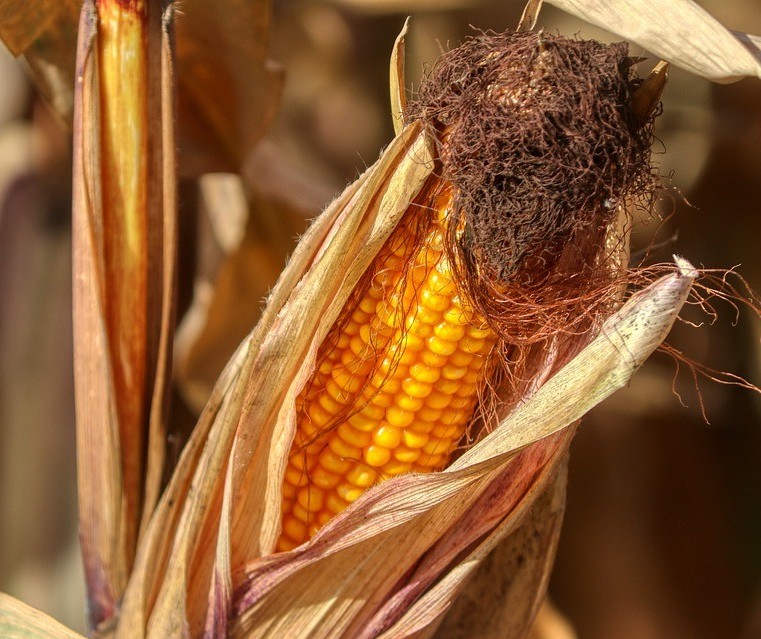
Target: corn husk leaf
(124,238)
(173,574)
(397,84)
(509,576)
(18,620)
(403,518)
(678,31)
(45,32)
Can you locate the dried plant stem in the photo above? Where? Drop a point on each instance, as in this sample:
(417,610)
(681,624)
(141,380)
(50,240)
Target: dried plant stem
(124,254)
(124,151)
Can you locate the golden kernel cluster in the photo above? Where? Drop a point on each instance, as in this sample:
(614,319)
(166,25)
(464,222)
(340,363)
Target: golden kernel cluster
(393,391)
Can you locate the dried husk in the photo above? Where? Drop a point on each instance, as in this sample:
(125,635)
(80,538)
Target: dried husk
(124,237)
(404,517)
(679,31)
(20,620)
(173,570)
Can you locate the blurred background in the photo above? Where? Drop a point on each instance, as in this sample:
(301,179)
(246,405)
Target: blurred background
(662,537)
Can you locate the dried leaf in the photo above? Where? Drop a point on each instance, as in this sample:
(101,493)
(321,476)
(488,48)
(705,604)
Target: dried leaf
(22,621)
(530,15)
(678,31)
(402,518)
(124,240)
(397,84)
(511,575)
(182,537)
(45,32)
(228,90)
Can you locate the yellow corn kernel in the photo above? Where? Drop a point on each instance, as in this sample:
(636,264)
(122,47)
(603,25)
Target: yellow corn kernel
(334,503)
(353,436)
(438,400)
(406,455)
(349,493)
(362,476)
(446,432)
(376,456)
(416,389)
(441,346)
(436,446)
(361,422)
(421,426)
(329,404)
(399,417)
(319,415)
(323,478)
(395,383)
(311,498)
(347,380)
(344,449)
(449,331)
(293,528)
(413,439)
(433,359)
(301,513)
(296,477)
(478,332)
(407,402)
(426,374)
(441,284)
(429,415)
(450,371)
(394,468)
(447,386)
(333,463)
(387,436)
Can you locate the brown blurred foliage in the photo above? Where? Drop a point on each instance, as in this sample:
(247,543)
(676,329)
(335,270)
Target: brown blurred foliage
(663,521)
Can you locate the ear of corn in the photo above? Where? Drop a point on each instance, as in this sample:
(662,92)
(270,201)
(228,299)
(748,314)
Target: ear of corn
(396,382)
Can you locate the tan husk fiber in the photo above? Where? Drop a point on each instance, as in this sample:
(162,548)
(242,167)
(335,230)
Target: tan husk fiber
(325,268)
(679,31)
(404,517)
(22,621)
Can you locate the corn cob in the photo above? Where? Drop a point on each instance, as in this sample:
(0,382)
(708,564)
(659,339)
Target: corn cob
(396,384)
(538,146)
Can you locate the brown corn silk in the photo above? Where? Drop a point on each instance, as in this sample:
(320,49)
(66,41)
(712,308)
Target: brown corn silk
(507,246)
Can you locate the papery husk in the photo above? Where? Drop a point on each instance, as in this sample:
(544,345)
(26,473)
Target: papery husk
(45,33)
(504,594)
(124,240)
(170,588)
(17,619)
(396,80)
(342,580)
(678,31)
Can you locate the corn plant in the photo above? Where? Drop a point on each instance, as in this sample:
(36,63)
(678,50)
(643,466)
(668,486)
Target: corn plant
(405,405)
